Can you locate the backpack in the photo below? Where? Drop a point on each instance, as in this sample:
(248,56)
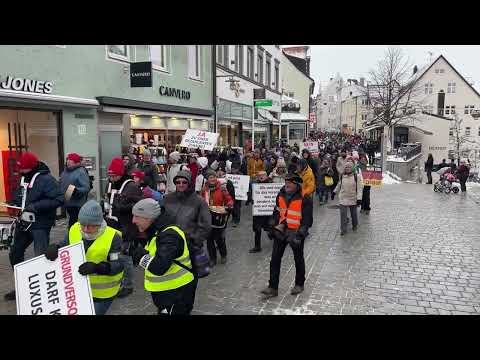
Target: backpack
(90,177)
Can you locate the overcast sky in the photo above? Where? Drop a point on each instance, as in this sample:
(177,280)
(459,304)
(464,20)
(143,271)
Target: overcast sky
(354,61)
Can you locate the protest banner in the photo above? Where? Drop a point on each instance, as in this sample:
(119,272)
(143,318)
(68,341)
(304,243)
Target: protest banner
(372,176)
(264,196)
(200,139)
(240,183)
(45,287)
(311,146)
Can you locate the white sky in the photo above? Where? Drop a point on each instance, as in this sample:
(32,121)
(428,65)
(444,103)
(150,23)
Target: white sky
(354,61)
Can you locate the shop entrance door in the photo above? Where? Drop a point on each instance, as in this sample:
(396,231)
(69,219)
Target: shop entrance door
(110,147)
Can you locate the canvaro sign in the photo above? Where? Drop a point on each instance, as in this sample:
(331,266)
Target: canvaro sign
(26,85)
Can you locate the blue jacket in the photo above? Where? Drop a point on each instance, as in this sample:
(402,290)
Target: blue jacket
(78,177)
(45,197)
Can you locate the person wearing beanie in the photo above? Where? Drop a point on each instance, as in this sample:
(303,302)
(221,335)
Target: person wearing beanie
(41,197)
(193,166)
(102,245)
(148,192)
(292,217)
(122,193)
(307,176)
(279,172)
(75,185)
(261,222)
(169,274)
(175,167)
(201,178)
(151,176)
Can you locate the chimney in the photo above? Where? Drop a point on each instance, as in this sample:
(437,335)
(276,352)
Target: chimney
(362,81)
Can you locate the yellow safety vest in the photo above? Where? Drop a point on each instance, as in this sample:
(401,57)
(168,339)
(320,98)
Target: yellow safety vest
(176,276)
(103,286)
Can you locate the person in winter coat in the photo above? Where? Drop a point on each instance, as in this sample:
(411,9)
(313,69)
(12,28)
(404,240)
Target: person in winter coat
(341,160)
(148,193)
(362,164)
(307,176)
(149,169)
(429,168)
(193,166)
(42,197)
(215,195)
(452,165)
(349,190)
(74,175)
(104,268)
(237,205)
(201,179)
(122,194)
(261,222)
(272,164)
(129,162)
(323,189)
(292,166)
(336,176)
(463,172)
(278,174)
(166,259)
(174,159)
(255,164)
(293,215)
(313,163)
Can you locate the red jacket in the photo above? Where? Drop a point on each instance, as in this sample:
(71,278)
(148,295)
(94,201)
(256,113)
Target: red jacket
(194,168)
(217,197)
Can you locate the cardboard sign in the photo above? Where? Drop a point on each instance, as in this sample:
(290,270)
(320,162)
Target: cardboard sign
(372,176)
(311,146)
(240,183)
(200,139)
(47,287)
(264,196)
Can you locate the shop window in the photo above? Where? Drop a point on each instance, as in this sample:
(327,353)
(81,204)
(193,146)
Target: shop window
(467,131)
(195,62)
(159,57)
(118,52)
(297,132)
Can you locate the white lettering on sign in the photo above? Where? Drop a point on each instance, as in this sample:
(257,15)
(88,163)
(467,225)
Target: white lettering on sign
(240,183)
(26,85)
(45,287)
(437,148)
(199,139)
(264,198)
(311,146)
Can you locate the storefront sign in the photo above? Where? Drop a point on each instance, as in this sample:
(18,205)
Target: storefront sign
(27,85)
(200,139)
(178,93)
(258,103)
(437,148)
(240,183)
(45,287)
(372,176)
(311,146)
(141,74)
(259,93)
(264,198)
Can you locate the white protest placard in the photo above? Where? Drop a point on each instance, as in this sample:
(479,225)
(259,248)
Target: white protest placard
(264,196)
(311,146)
(200,139)
(45,287)
(240,183)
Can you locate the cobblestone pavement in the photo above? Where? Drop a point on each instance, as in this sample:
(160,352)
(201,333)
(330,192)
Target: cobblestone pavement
(418,252)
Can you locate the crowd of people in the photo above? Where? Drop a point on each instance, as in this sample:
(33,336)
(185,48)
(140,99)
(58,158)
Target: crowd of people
(161,217)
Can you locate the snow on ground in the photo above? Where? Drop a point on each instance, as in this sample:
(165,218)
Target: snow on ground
(388,179)
(394,158)
(472,184)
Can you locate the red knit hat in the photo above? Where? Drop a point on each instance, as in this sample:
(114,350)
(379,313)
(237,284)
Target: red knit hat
(28,160)
(116,167)
(139,174)
(74,157)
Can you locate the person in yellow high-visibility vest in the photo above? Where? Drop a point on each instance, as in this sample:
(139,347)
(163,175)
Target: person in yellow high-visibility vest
(103,246)
(165,258)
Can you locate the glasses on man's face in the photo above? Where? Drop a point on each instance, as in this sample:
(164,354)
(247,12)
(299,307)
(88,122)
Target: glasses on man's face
(181,182)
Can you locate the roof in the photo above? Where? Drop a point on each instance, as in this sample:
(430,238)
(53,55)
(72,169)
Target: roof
(300,64)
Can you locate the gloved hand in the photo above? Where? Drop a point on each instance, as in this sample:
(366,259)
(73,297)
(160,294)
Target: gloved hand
(359,202)
(103,268)
(52,252)
(30,208)
(87,268)
(138,253)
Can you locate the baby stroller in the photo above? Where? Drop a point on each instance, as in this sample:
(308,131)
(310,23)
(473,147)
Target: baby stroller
(445,184)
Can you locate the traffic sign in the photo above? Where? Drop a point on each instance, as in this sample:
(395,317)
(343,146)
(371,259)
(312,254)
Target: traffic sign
(259,103)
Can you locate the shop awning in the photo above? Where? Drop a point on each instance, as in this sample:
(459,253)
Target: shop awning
(46,99)
(139,112)
(266,115)
(293,117)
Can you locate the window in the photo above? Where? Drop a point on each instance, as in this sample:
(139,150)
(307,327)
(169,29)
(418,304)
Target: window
(450,110)
(469,109)
(237,49)
(297,131)
(158,56)
(436,71)
(260,65)
(467,131)
(429,88)
(331,98)
(119,52)
(220,54)
(250,62)
(442,71)
(195,62)
(268,70)
(451,87)
(450,133)
(277,74)
(364,117)
(240,59)
(225,56)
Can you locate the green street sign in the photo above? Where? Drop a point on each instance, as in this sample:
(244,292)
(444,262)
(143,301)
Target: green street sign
(258,103)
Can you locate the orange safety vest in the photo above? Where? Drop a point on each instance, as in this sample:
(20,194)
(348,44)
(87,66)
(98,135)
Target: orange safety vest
(291,214)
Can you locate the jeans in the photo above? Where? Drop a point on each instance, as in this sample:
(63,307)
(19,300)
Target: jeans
(259,223)
(216,236)
(101,307)
(343,217)
(366,198)
(23,239)
(127,280)
(323,193)
(429,176)
(276,262)
(72,215)
(237,211)
(463,185)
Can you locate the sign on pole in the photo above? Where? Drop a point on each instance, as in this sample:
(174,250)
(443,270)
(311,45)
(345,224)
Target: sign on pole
(141,74)
(200,139)
(311,146)
(264,196)
(259,103)
(45,287)
(372,176)
(240,183)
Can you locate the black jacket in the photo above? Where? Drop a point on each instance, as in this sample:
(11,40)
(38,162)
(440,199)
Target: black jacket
(151,174)
(429,164)
(45,196)
(307,209)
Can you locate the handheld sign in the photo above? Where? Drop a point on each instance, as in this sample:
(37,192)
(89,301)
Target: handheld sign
(47,287)
(240,183)
(372,176)
(200,139)
(311,146)
(264,196)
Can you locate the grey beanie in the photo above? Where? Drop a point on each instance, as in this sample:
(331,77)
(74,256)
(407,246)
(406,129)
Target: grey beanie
(185,174)
(147,152)
(210,172)
(91,213)
(147,208)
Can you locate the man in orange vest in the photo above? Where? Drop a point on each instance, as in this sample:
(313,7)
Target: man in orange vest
(293,214)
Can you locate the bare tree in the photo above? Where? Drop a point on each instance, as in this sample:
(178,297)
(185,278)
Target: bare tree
(461,143)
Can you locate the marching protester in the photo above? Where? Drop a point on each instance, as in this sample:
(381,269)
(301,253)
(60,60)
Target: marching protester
(237,205)
(75,185)
(363,162)
(325,181)
(151,176)
(261,222)
(293,216)
(129,163)
(193,166)
(41,197)
(138,177)
(278,174)
(463,172)
(308,179)
(429,168)
(122,193)
(255,164)
(216,196)
(166,260)
(201,178)
(175,165)
(103,245)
